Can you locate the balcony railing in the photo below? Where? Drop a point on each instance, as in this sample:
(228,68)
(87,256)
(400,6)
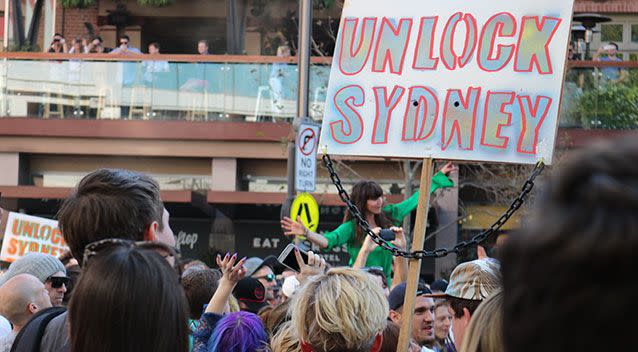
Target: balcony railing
(244,88)
(175,87)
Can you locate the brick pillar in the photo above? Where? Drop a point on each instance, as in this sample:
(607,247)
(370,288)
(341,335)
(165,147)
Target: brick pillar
(74,21)
(10,166)
(224,174)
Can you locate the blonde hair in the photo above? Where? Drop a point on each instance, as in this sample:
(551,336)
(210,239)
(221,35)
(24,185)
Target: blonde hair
(285,340)
(341,310)
(484,334)
(233,304)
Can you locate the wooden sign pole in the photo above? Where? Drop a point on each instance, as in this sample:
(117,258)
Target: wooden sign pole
(415,264)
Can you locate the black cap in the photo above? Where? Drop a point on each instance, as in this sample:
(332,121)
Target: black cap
(439,285)
(252,293)
(397,295)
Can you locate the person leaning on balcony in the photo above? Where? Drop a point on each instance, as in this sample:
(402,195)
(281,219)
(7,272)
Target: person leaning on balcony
(58,44)
(202,47)
(97,46)
(609,53)
(76,46)
(125,48)
(368,196)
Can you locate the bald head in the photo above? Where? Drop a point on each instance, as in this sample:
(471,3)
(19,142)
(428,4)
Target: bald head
(22,296)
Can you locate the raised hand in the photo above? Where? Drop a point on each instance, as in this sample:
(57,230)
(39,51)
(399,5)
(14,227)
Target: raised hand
(399,239)
(315,266)
(447,168)
(368,244)
(230,271)
(293,228)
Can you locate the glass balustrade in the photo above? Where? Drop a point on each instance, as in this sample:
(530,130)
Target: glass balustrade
(597,98)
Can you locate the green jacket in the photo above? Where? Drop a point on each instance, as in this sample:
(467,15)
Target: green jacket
(346,232)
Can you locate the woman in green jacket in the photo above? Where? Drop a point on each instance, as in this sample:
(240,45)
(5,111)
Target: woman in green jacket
(368,197)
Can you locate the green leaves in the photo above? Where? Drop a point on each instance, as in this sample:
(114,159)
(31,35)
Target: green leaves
(610,106)
(155,3)
(77,3)
(88,3)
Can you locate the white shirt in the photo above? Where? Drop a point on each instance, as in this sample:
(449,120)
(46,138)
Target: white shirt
(5,326)
(7,341)
(425,349)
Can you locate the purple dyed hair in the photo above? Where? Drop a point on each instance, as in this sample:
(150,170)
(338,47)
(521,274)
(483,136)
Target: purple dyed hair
(238,332)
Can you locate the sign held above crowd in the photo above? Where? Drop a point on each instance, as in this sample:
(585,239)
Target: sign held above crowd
(448,79)
(454,80)
(25,233)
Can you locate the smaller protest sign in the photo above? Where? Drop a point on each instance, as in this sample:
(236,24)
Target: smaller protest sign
(26,233)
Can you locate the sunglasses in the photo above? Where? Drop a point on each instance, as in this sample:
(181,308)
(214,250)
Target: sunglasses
(170,254)
(58,281)
(269,277)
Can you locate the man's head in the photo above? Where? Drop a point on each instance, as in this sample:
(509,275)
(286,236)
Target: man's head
(423,316)
(442,319)
(154,48)
(22,296)
(470,283)
(574,263)
(250,294)
(46,268)
(611,49)
(124,40)
(379,276)
(341,310)
(261,270)
(113,203)
(202,47)
(199,287)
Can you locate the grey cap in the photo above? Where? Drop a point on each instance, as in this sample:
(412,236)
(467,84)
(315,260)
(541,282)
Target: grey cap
(39,265)
(253,264)
(474,280)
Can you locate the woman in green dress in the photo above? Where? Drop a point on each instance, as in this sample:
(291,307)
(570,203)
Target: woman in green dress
(368,197)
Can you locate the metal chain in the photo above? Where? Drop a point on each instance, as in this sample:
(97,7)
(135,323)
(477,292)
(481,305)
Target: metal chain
(441,252)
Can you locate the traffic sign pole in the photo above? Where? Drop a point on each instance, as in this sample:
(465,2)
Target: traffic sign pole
(303,64)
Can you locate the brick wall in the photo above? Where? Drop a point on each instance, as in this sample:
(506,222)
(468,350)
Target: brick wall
(608,6)
(74,21)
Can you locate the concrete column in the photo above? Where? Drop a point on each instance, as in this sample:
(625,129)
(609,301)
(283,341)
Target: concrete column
(224,171)
(448,210)
(9,169)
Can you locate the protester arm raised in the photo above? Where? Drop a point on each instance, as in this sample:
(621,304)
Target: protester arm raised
(366,248)
(231,274)
(341,235)
(400,263)
(400,210)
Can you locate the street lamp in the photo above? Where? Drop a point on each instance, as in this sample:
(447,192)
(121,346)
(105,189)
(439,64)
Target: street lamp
(589,21)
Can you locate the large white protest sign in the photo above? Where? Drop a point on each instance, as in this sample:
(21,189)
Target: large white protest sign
(26,233)
(454,79)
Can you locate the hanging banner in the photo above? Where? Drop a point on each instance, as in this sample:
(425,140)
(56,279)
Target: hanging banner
(477,80)
(26,233)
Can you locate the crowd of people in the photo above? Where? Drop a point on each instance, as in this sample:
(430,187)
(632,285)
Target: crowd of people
(95,45)
(569,268)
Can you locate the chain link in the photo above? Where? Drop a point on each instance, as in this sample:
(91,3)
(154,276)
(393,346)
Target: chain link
(441,252)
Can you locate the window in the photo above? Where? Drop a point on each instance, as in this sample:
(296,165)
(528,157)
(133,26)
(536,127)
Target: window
(634,33)
(611,32)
